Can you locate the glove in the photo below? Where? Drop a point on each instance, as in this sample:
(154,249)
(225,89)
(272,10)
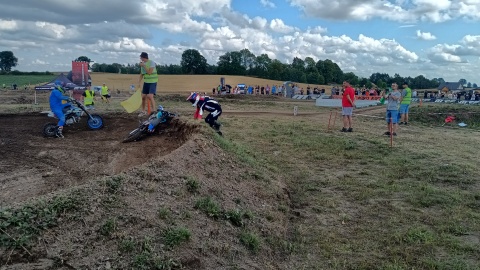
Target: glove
(150,128)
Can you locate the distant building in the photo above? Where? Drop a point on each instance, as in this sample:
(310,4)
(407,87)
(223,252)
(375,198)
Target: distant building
(450,87)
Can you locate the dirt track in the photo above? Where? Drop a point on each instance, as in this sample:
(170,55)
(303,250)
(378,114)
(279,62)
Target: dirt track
(32,165)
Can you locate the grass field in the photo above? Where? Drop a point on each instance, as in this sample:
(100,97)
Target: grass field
(354,202)
(22,80)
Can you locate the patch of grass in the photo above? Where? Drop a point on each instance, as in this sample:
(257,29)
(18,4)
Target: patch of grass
(418,235)
(251,241)
(127,245)
(167,264)
(235,217)
(163,213)
(109,227)
(21,226)
(114,183)
(192,184)
(209,207)
(175,236)
(239,150)
(143,261)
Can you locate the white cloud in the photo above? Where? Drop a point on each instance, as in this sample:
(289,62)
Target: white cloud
(277,25)
(425,35)
(8,25)
(267,3)
(400,11)
(40,62)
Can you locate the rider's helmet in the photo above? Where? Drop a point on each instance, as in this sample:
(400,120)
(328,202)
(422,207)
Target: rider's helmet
(59,86)
(193,97)
(160,108)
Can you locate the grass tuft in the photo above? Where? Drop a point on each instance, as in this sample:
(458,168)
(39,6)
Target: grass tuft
(175,236)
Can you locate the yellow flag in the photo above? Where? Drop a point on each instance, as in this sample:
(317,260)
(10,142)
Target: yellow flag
(133,103)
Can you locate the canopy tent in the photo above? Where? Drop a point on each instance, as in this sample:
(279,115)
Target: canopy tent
(67,84)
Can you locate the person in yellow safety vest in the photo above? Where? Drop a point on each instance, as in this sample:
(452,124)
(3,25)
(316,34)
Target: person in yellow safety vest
(405,103)
(105,94)
(148,72)
(88,98)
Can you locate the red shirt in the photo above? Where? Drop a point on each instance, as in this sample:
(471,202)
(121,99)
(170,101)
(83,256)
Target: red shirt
(350,92)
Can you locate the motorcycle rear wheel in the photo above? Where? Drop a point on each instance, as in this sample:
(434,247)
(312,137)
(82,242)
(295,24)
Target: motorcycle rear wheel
(50,130)
(135,135)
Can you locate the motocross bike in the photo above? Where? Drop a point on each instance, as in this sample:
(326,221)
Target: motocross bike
(142,130)
(72,116)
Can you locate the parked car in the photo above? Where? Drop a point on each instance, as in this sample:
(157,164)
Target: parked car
(242,88)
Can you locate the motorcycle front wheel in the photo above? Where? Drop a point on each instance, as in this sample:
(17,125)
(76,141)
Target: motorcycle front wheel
(135,135)
(50,130)
(95,122)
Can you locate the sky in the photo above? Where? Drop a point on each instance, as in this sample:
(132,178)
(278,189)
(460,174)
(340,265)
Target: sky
(433,38)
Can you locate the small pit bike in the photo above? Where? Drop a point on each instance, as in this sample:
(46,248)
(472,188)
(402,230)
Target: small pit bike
(73,116)
(142,130)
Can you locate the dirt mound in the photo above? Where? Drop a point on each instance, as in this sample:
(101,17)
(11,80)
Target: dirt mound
(18,100)
(195,208)
(32,165)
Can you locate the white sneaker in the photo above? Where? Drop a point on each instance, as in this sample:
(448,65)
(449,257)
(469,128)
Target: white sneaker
(143,113)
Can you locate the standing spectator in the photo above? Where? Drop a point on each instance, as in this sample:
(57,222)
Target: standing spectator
(393,99)
(105,94)
(405,103)
(274,90)
(348,102)
(267,90)
(262,90)
(88,98)
(213,91)
(148,72)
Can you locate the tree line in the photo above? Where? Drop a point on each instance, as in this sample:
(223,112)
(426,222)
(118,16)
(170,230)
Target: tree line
(245,63)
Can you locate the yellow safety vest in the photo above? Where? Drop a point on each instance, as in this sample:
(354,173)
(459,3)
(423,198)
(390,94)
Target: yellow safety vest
(104,90)
(149,78)
(88,100)
(408,97)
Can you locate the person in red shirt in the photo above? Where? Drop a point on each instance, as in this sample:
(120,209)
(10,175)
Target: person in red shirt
(348,102)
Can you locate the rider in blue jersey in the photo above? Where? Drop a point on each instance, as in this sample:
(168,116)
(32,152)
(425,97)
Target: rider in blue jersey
(57,107)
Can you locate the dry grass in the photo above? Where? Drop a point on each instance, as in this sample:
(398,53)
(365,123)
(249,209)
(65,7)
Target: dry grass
(183,83)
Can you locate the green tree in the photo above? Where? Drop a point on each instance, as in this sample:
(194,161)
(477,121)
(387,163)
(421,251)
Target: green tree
(84,59)
(313,77)
(474,85)
(230,64)
(381,84)
(469,84)
(7,61)
(298,64)
(351,77)
(193,62)
(275,70)
(462,82)
(248,60)
(329,71)
(262,63)
(310,65)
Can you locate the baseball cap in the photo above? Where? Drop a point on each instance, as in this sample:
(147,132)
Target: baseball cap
(144,55)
